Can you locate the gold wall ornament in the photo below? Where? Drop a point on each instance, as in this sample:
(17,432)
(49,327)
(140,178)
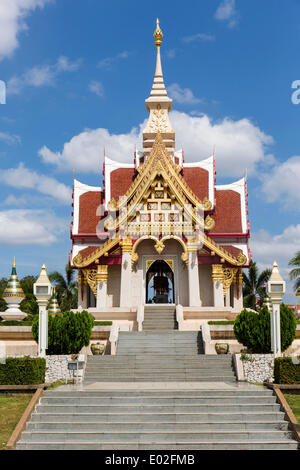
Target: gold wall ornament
(159,246)
(159,121)
(90,277)
(170,263)
(149,263)
(229,275)
(209,223)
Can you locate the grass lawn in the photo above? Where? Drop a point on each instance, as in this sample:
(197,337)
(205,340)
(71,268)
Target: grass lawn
(11,409)
(294,402)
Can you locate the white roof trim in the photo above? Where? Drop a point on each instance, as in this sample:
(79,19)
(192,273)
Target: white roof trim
(207,165)
(239,187)
(111,165)
(79,189)
(241,246)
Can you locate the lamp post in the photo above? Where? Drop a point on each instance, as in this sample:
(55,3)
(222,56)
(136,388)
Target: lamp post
(275,290)
(43,291)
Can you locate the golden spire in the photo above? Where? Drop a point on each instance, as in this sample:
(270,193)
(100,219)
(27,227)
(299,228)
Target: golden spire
(14,263)
(158,34)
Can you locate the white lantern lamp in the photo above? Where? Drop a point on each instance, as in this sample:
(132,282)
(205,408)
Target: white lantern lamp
(276,289)
(43,289)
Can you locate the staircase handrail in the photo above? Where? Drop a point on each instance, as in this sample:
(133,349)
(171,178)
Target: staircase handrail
(140,316)
(179,316)
(113,338)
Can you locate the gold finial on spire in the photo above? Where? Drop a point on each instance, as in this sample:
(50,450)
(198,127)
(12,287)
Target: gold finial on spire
(14,263)
(158,35)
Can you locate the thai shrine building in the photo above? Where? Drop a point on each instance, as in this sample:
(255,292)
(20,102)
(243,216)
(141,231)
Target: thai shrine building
(160,231)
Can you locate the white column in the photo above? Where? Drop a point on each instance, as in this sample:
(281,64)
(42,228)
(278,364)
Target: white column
(102,277)
(227,298)
(238,293)
(217,277)
(43,329)
(125,295)
(275,329)
(194,286)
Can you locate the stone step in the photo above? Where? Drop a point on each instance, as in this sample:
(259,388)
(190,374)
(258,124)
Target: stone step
(153,409)
(213,400)
(139,427)
(154,437)
(159,393)
(224,445)
(220,418)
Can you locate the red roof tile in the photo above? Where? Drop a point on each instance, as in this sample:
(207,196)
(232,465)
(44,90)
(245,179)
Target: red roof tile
(227,214)
(88,205)
(198,181)
(120,180)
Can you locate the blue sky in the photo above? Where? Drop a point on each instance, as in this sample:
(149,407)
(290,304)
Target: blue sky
(77,75)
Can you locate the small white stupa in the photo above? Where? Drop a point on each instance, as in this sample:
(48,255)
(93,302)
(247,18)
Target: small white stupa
(13,296)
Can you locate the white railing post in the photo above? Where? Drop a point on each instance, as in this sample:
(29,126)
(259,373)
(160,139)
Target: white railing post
(140,316)
(113,338)
(179,316)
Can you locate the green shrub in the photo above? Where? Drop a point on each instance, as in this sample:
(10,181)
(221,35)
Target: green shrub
(67,333)
(22,371)
(253,330)
(285,371)
(221,322)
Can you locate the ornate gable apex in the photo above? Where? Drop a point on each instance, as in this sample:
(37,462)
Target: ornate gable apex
(159,163)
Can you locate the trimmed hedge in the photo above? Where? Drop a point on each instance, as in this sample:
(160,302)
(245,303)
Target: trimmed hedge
(23,371)
(67,333)
(253,330)
(285,371)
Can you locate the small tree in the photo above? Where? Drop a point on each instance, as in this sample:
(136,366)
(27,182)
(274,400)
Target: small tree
(253,330)
(67,333)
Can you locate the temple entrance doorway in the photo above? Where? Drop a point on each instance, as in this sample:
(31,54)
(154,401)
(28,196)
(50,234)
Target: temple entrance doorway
(160,283)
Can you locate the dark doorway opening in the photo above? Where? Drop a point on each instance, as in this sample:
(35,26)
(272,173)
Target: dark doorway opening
(160,284)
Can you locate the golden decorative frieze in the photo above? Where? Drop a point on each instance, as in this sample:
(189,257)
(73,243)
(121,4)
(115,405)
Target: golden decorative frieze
(102,273)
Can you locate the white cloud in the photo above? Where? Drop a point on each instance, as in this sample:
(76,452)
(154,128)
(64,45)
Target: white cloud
(239,144)
(227,12)
(182,95)
(30,227)
(12,200)
(12,22)
(199,37)
(10,138)
(84,152)
(108,62)
(22,177)
(267,248)
(41,75)
(97,88)
(282,183)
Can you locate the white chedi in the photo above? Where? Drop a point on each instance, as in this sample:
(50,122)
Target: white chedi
(13,296)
